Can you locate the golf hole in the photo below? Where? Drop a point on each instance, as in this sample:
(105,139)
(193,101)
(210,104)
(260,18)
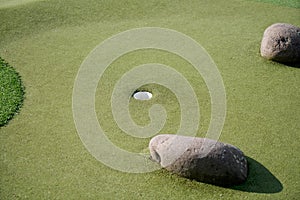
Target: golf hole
(142,95)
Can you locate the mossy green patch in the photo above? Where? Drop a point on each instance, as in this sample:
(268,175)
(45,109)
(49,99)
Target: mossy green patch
(11,92)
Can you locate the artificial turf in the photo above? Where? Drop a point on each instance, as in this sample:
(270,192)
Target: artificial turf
(289,3)
(42,156)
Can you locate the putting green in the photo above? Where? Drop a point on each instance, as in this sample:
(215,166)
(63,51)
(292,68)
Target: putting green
(42,156)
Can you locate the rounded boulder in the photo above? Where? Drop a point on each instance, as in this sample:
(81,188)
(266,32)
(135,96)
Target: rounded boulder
(281,42)
(202,159)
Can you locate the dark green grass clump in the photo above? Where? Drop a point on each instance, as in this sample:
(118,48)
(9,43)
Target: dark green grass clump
(11,92)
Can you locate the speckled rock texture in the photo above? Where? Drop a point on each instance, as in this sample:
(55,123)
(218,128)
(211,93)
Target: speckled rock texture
(281,42)
(204,160)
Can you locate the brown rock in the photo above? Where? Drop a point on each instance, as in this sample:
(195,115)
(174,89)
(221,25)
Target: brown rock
(201,159)
(281,42)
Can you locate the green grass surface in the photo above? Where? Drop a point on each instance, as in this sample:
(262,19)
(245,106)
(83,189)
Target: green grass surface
(12,3)
(289,3)
(42,156)
(11,92)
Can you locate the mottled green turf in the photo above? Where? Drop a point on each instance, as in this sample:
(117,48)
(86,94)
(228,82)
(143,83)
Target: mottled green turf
(42,156)
(288,3)
(12,3)
(11,92)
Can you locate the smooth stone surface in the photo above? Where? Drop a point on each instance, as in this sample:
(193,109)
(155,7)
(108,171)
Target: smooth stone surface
(142,95)
(201,159)
(281,42)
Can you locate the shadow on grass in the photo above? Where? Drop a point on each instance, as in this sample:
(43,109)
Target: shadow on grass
(260,179)
(289,64)
(295,65)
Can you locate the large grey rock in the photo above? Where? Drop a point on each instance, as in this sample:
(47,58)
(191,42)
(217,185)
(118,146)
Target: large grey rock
(281,42)
(201,159)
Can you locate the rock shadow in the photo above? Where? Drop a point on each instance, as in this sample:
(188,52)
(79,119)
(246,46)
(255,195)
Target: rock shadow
(295,65)
(260,179)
